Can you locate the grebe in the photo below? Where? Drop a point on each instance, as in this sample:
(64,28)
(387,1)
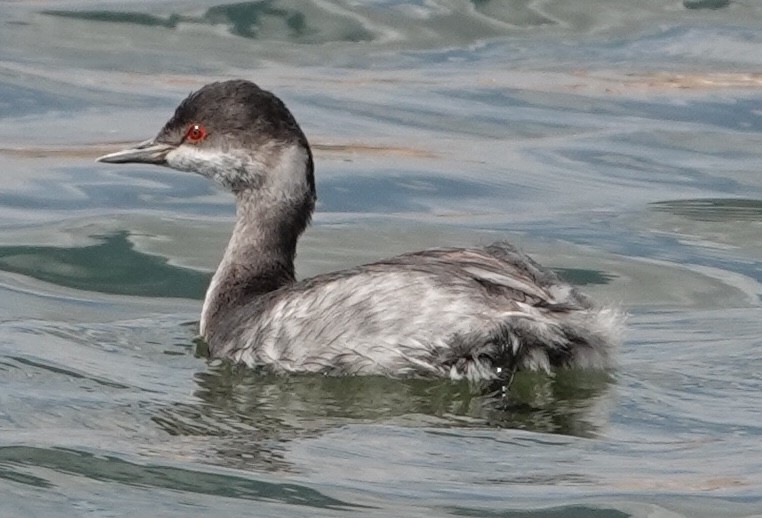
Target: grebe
(474,313)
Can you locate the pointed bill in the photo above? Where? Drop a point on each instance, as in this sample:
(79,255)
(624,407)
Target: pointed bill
(148,152)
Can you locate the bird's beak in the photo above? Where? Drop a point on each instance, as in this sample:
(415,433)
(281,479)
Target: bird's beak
(148,152)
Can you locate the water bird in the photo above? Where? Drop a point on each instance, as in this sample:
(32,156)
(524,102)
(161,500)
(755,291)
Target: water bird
(473,313)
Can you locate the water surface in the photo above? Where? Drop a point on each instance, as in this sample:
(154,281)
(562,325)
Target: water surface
(617,143)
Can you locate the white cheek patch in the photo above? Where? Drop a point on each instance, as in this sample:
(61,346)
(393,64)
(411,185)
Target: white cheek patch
(220,167)
(283,168)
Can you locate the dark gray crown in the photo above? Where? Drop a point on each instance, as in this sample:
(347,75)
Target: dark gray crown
(237,114)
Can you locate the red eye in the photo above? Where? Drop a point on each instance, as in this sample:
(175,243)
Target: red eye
(195,133)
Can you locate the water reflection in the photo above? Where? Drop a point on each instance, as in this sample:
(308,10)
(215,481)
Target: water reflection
(266,20)
(148,20)
(109,266)
(570,511)
(713,209)
(110,469)
(249,415)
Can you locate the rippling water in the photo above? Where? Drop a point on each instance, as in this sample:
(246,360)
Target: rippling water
(619,142)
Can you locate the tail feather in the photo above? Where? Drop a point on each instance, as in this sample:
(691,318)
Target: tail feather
(585,339)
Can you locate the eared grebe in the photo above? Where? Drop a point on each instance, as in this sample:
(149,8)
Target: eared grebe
(475,313)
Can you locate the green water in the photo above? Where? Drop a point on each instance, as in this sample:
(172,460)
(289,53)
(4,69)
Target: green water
(618,142)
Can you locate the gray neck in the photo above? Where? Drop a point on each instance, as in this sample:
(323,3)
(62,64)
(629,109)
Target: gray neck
(260,255)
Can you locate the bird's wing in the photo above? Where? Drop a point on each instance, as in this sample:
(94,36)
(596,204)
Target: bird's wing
(510,274)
